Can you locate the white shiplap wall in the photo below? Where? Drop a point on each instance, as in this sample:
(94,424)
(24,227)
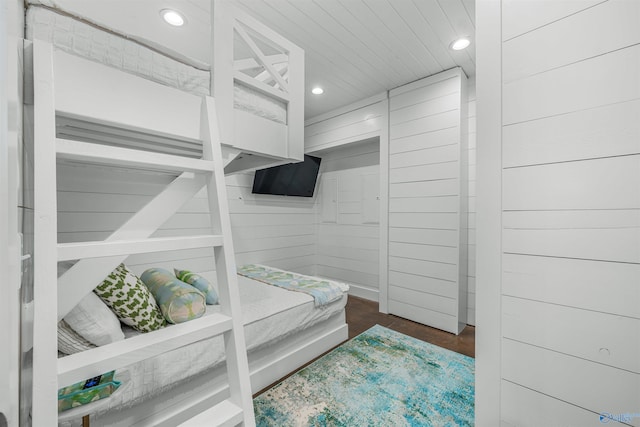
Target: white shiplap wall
(571,211)
(283,232)
(352,222)
(354,123)
(365,119)
(274,230)
(348,218)
(94,201)
(427,201)
(471,220)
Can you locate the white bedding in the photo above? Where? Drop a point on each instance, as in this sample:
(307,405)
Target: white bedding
(270,314)
(100,45)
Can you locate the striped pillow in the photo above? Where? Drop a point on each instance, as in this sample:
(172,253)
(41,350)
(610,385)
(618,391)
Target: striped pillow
(69,341)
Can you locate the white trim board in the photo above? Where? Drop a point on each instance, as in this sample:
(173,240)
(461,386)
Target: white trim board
(346,109)
(489,212)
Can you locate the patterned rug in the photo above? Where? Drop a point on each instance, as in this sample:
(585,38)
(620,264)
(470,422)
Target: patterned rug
(379,378)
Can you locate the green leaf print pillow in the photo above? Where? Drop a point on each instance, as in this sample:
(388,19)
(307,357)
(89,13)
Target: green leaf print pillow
(130,300)
(178,301)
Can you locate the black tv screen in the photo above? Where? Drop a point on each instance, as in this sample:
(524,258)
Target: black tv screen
(293,179)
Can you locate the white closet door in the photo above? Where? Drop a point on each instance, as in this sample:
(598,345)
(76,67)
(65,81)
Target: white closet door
(426,187)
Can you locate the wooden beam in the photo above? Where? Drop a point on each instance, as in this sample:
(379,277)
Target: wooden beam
(45,384)
(259,56)
(237,362)
(127,157)
(262,87)
(265,77)
(77,250)
(245,64)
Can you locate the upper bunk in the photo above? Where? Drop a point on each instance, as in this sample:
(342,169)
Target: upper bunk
(257,81)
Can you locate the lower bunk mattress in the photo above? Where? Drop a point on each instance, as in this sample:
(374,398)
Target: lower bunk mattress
(270,315)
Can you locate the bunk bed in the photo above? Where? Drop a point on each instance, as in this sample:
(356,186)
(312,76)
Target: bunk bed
(260,99)
(106,115)
(281,328)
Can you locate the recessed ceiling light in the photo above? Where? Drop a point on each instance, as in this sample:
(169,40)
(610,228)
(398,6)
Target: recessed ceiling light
(317,90)
(461,43)
(172,17)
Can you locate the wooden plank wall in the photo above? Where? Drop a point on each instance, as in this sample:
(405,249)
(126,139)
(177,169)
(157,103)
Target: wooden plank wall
(571,212)
(348,208)
(348,218)
(471,189)
(274,230)
(347,125)
(342,128)
(425,202)
(284,232)
(94,201)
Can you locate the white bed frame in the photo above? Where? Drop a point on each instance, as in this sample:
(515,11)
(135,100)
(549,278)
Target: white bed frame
(282,78)
(131,109)
(266,366)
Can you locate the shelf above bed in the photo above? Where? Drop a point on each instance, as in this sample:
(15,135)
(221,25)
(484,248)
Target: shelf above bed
(116,156)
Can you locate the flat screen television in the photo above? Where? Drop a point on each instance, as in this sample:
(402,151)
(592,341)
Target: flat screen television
(293,179)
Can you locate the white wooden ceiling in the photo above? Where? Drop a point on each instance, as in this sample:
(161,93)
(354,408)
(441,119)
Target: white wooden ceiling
(358,48)
(353,48)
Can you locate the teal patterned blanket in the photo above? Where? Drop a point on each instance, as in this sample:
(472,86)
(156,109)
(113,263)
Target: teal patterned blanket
(322,291)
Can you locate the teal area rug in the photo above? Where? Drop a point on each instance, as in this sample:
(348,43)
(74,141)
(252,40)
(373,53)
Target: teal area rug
(379,378)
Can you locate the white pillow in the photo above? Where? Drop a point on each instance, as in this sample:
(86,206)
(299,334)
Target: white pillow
(69,342)
(94,321)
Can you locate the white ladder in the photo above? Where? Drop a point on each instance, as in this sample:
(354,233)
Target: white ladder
(49,372)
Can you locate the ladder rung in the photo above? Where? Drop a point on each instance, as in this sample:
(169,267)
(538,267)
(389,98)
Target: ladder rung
(127,157)
(80,250)
(90,363)
(224,414)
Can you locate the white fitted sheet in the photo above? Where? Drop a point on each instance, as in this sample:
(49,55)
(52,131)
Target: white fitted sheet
(269,313)
(107,47)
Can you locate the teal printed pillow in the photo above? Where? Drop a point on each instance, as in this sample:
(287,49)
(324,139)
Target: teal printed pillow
(178,301)
(130,300)
(87,391)
(200,283)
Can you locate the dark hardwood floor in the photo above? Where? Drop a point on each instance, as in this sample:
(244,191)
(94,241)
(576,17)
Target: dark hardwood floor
(363,314)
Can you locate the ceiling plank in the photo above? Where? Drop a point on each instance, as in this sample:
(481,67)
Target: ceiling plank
(398,26)
(400,51)
(369,36)
(424,32)
(433,13)
(330,24)
(296,27)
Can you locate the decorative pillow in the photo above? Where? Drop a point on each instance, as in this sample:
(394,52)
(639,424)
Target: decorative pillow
(94,322)
(69,341)
(87,391)
(200,283)
(178,301)
(130,300)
